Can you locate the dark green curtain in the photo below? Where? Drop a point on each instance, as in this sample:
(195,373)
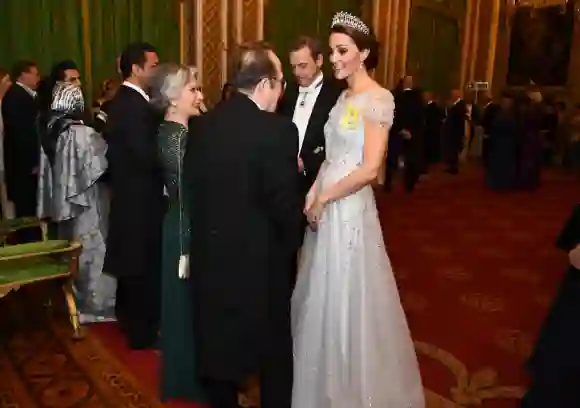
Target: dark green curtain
(44,31)
(434,50)
(287,20)
(115,23)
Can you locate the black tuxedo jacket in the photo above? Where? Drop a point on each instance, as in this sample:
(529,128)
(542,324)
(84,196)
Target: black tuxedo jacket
(136,181)
(434,116)
(21,143)
(242,177)
(490,112)
(313,148)
(409,113)
(455,126)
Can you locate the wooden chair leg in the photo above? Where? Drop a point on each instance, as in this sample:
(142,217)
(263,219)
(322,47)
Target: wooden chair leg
(72,310)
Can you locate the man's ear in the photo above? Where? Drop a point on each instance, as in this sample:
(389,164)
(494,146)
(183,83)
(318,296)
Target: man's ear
(319,61)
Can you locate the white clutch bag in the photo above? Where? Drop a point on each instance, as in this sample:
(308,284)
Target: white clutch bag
(183,267)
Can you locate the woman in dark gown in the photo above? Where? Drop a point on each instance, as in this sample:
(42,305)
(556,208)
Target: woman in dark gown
(554,365)
(176,93)
(501,169)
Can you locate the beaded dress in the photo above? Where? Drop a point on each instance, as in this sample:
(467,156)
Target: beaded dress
(178,375)
(352,345)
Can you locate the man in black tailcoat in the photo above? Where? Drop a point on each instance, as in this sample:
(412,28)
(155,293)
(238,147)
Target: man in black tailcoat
(242,178)
(308,101)
(408,129)
(137,201)
(490,111)
(21,142)
(434,117)
(454,131)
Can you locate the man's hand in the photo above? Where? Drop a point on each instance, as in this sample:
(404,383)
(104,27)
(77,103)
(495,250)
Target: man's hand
(406,134)
(310,198)
(300,165)
(574,257)
(35,171)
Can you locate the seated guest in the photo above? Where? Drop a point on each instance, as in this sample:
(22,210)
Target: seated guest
(72,160)
(175,94)
(554,365)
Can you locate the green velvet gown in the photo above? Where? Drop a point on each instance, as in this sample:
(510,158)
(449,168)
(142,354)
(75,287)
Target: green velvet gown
(179,379)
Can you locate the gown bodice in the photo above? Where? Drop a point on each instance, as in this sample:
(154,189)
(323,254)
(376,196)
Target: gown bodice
(172,139)
(344,130)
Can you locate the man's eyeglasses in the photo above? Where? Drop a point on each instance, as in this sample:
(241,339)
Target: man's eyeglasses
(282,81)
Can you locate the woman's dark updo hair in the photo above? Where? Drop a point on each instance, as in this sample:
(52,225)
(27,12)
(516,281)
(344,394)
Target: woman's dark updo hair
(363,42)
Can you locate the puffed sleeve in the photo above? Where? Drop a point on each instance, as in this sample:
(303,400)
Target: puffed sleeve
(379,108)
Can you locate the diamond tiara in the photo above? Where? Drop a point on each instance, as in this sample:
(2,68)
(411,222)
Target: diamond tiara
(342,18)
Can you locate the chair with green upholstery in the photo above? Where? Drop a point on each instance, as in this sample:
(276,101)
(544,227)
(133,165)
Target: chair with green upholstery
(26,264)
(9,226)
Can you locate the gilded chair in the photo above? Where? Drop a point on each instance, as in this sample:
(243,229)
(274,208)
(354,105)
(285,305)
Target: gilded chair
(26,264)
(9,226)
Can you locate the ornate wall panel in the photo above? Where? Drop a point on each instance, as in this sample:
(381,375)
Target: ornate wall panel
(252,20)
(211,57)
(211,29)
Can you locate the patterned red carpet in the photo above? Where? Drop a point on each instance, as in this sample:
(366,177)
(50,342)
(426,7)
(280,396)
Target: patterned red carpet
(41,366)
(477,271)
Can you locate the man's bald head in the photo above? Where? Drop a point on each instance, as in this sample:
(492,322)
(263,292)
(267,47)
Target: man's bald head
(257,71)
(254,61)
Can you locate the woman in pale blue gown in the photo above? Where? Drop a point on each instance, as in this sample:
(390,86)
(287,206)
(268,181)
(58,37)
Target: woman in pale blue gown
(352,345)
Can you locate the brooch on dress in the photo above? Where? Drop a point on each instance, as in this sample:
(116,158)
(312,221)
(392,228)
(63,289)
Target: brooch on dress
(351,118)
